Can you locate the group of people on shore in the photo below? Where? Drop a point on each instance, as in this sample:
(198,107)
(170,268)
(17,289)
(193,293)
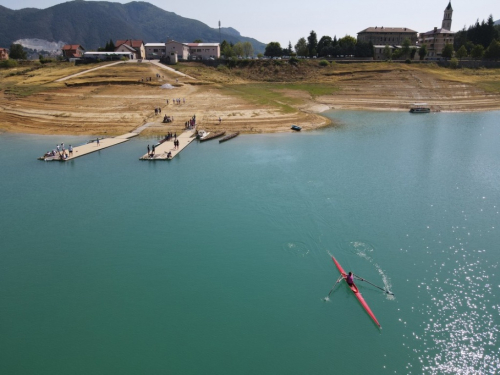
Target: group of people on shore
(177,101)
(157,111)
(191,123)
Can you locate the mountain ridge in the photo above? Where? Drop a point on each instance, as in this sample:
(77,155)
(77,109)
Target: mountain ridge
(94,23)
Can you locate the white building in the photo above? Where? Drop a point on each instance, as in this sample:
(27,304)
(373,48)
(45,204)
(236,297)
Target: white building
(155,51)
(184,51)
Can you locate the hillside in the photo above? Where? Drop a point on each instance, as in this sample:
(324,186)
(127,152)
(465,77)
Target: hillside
(93,23)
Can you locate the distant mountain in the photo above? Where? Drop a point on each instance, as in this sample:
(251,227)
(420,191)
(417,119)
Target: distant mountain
(93,23)
(497,22)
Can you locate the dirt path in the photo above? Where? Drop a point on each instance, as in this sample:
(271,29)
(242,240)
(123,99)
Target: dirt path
(87,71)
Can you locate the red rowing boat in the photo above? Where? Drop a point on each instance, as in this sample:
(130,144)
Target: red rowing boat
(357,293)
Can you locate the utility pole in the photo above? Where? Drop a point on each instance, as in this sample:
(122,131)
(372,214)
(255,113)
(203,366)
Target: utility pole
(220,41)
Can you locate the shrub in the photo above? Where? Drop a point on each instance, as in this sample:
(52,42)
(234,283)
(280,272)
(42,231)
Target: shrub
(293,61)
(323,63)
(453,63)
(8,64)
(408,61)
(223,69)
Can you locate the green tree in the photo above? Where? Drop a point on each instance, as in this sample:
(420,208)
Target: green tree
(238,49)
(324,45)
(347,45)
(110,46)
(312,44)
(17,52)
(228,51)
(301,47)
(422,51)
(247,49)
(413,53)
(273,49)
(477,52)
(461,53)
(447,51)
(453,63)
(493,50)
(405,50)
(387,52)
(397,53)
(198,41)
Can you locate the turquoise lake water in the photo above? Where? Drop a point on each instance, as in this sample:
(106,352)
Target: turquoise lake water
(219,261)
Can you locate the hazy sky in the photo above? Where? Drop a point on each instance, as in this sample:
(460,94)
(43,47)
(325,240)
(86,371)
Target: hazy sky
(288,20)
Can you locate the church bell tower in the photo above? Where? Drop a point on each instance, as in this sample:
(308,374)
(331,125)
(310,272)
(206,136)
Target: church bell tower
(448,12)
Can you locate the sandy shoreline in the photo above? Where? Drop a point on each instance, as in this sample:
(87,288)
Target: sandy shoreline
(99,103)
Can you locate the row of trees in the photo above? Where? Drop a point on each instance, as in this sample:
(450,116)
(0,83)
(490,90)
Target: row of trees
(326,46)
(244,49)
(481,33)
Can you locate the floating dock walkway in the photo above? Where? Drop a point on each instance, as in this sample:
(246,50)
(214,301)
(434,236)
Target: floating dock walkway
(90,147)
(162,150)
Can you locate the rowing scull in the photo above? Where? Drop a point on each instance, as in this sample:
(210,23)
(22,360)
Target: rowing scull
(357,293)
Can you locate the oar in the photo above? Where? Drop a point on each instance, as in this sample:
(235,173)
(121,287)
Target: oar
(376,286)
(338,280)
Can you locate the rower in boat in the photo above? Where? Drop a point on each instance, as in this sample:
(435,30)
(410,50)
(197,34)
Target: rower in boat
(350,279)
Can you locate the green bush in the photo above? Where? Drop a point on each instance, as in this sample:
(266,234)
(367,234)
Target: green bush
(8,64)
(293,61)
(408,61)
(223,69)
(323,63)
(453,63)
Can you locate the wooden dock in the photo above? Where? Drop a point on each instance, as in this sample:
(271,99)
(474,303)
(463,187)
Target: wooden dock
(89,147)
(162,150)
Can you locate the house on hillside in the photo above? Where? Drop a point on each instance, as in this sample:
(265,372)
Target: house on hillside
(128,49)
(436,39)
(4,54)
(137,45)
(73,51)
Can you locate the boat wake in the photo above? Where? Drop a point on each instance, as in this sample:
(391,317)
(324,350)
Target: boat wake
(364,250)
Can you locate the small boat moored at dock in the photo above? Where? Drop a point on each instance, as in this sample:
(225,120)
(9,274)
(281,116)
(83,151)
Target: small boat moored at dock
(420,108)
(213,136)
(202,134)
(228,137)
(296,128)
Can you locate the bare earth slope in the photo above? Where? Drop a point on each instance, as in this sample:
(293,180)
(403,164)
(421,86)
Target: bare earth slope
(257,97)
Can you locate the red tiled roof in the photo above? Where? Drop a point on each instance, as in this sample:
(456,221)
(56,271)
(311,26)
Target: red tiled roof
(130,42)
(72,47)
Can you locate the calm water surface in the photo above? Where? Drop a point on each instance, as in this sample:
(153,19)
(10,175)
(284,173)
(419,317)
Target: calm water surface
(218,262)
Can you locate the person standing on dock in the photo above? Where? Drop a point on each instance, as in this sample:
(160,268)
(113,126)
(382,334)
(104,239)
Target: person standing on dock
(70,149)
(153,150)
(98,144)
(148,149)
